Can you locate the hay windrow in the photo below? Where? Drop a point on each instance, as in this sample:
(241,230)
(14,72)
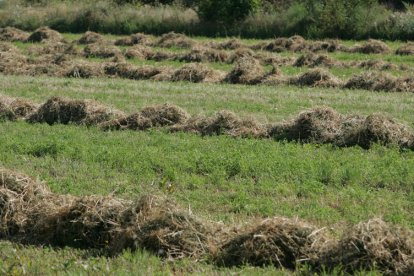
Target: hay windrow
(90,38)
(204,54)
(406,49)
(128,71)
(312,60)
(368,245)
(83,69)
(44,34)
(197,73)
(279,242)
(175,40)
(372,46)
(101,50)
(231,44)
(15,108)
(248,70)
(65,111)
(138,38)
(12,34)
(139,51)
(380,82)
(316,78)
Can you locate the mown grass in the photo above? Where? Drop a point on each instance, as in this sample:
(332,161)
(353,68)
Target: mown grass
(218,178)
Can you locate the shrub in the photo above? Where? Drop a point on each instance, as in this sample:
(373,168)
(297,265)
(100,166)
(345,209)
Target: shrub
(228,11)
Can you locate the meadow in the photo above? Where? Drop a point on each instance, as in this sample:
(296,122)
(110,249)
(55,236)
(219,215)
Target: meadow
(232,180)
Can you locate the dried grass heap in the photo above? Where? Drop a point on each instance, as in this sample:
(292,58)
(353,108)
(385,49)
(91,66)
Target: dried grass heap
(101,50)
(64,111)
(197,73)
(175,40)
(15,108)
(248,70)
(44,34)
(406,49)
(316,78)
(12,34)
(90,38)
(372,46)
(138,38)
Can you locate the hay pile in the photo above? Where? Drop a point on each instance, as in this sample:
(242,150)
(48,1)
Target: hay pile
(326,45)
(64,111)
(316,78)
(45,34)
(231,44)
(368,245)
(223,123)
(11,60)
(248,70)
(31,214)
(101,50)
(83,69)
(138,38)
(128,71)
(139,51)
(91,38)
(204,54)
(372,46)
(279,242)
(377,64)
(295,43)
(175,40)
(406,49)
(13,34)
(15,108)
(380,82)
(148,117)
(241,53)
(312,60)
(197,72)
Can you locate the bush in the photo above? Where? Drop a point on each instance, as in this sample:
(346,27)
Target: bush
(227,11)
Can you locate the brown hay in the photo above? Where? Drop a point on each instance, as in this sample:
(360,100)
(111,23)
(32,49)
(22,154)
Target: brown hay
(406,49)
(316,78)
(138,38)
(13,34)
(84,70)
(279,242)
(380,82)
(372,46)
(175,40)
(148,117)
(125,70)
(224,122)
(65,111)
(312,60)
(15,108)
(248,70)
(240,53)
(139,51)
(371,245)
(197,73)
(295,43)
(161,56)
(320,125)
(326,45)
(101,50)
(90,38)
(231,44)
(204,54)
(45,34)
(377,64)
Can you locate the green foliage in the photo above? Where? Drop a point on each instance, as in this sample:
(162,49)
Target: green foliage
(228,11)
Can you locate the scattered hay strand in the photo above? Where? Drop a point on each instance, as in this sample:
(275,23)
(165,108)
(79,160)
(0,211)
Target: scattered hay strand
(45,34)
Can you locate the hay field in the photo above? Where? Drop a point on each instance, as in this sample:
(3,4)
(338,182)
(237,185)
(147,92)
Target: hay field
(177,155)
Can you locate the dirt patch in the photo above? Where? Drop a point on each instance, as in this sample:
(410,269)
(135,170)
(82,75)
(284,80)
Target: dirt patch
(45,34)
(316,78)
(175,40)
(139,51)
(279,242)
(248,70)
(91,38)
(406,49)
(64,111)
(204,54)
(371,244)
(101,50)
(197,72)
(372,46)
(138,38)
(13,34)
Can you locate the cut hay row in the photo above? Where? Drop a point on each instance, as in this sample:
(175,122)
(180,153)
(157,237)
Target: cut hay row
(31,214)
(295,43)
(321,125)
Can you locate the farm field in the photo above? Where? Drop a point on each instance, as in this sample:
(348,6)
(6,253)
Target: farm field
(301,153)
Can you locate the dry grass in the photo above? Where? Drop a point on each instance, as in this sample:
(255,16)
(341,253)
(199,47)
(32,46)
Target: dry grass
(313,60)
(316,78)
(65,111)
(44,34)
(138,38)
(248,70)
(204,54)
(139,51)
(175,40)
(406,49)
(91,38)
(13,34)
(197,72)
(380,82)
(15,108)
(101,50)
(372,46)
